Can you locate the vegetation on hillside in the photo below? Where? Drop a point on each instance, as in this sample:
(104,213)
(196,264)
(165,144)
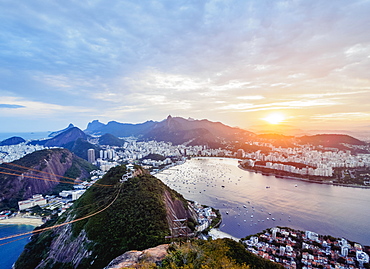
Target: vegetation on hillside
(14,140)
(338,141)
(80,148)
(74,172)
(154,156)
(136,220)
(211,254)
(111,140)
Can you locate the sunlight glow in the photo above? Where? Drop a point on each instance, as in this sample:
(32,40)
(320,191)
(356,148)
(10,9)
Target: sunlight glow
(274,118)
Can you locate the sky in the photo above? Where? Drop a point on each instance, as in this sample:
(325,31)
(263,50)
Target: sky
(237,62)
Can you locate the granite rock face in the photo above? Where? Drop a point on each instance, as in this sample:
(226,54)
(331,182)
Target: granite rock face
(133,258)
(35,173)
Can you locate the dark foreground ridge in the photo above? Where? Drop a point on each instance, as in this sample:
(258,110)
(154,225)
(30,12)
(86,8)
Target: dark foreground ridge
(138,219)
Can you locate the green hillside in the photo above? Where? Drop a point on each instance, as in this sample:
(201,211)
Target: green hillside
(215,254)
(136,220)
(110,140)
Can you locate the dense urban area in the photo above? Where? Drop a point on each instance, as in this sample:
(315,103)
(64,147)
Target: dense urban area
(292,249)
(327,165)
(297,249)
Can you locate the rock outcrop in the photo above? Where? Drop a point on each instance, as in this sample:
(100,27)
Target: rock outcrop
(38,173)
(133,214)
(133,258)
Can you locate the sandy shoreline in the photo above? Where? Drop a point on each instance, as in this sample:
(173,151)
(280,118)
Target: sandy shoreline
(20,220)
(216,234)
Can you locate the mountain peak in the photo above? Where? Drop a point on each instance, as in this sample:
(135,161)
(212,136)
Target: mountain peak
(53,134)
(71,134)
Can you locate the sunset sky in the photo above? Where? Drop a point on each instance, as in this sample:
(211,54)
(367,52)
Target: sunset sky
(237,62)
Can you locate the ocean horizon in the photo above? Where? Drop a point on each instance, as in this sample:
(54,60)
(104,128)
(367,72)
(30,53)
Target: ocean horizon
(25,135)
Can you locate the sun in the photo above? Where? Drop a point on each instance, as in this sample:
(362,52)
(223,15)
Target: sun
(274,118)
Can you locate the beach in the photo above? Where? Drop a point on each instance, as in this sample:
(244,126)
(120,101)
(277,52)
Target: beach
(22,220)
(216,234)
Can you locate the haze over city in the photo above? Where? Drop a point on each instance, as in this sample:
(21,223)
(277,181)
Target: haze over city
(245,63)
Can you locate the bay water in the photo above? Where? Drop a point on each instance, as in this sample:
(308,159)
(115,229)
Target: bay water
(251,202)
(10,249)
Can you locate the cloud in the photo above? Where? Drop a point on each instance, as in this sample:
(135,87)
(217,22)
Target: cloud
(28,109)
(343,116)
(251,97)
(294,104)
(198,57)
(334,94)
(10,106)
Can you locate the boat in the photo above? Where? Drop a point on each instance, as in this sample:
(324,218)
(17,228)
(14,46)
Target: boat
(273,219)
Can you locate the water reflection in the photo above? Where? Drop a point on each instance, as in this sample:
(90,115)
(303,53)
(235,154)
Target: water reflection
(254,201)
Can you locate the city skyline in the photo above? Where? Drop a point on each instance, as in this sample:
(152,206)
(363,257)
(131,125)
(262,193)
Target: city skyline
(249,64)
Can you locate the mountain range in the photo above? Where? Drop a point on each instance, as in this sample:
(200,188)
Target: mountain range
(176,130)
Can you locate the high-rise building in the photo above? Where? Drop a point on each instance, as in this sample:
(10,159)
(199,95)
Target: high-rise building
(91,155)
(240,153)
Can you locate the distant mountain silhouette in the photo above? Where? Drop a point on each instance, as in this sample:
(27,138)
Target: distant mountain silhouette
(15,140)
(173,129)
(118,129)
(330,140)
(194,132)
(53,134)
(65,137)
(73,139)
(110,140)
(80,148)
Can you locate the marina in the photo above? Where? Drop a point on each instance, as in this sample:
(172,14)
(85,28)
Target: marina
(248,207)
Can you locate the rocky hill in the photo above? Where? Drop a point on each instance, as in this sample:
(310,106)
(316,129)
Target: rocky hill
(70,135)
(220,253)
(330,140)
(80,148)
(53,134)
(71,138)
(19,180)
(338,141)
(15,140)
(62,138)
(134,214)
(110,140)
